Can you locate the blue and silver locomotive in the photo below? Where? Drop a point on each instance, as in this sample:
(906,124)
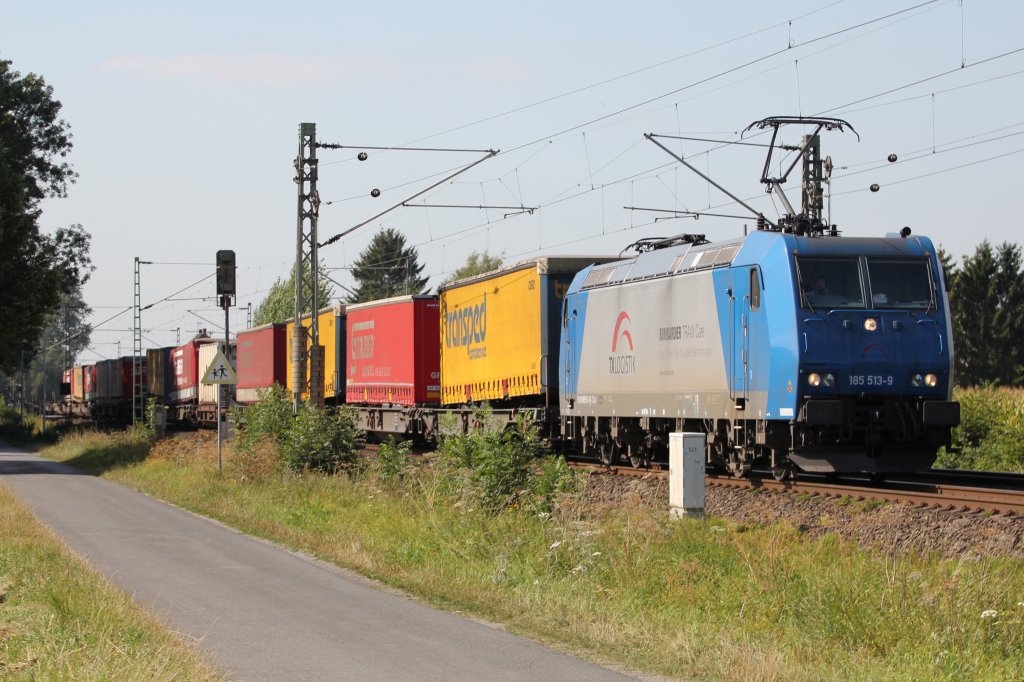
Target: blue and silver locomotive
(790,347)
(828,354)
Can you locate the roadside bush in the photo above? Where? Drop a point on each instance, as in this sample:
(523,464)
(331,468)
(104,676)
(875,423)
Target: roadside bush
(393,460)
(319,440)
(500,467)
(991,432)
(268,419)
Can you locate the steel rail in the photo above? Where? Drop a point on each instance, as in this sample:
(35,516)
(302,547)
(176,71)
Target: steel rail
(964,498)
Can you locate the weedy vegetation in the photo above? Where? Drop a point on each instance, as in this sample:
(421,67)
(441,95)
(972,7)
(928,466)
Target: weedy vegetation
(486,527)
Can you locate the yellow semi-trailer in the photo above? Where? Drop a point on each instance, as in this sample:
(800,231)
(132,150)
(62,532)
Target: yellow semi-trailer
(500,331)
(331,329)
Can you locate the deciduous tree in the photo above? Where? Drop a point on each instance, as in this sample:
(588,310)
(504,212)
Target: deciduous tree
(279,305)
(36,269)
(476,264)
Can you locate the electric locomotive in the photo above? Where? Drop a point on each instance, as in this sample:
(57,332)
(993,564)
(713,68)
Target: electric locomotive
(828,354)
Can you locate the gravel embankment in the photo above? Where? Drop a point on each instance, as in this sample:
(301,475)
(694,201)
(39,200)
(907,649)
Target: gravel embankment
(889,527)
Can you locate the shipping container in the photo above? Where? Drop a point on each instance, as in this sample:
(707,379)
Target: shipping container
(207,352)
(185,359)
(65,382)
(78,384)
(160,373)
(262,360)
(393,351)
(89,383)
(331,327)
(500,331)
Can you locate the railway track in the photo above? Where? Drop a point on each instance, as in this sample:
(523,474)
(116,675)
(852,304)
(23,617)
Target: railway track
(964,491)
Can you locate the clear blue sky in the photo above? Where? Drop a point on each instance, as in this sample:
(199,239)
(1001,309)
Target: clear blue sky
(185,121)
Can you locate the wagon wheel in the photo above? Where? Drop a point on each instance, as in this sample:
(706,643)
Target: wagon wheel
(639,457)
(736,465)
(783,472)
(608,452)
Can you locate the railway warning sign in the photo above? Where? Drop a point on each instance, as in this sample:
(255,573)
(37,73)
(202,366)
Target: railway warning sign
(220,371)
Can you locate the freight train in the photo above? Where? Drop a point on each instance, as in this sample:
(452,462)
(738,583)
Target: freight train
(808,351)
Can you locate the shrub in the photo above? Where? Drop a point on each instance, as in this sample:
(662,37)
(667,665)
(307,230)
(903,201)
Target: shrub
(499,466)
(393,460)
(319,440)
(991,432)
(270,418)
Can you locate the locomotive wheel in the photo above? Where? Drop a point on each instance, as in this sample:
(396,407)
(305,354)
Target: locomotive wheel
(608,452)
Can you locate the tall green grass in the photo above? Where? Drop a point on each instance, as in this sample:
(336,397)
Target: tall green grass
(620,581)
(59,620)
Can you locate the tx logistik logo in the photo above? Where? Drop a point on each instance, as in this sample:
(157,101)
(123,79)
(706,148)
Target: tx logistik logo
(620,362)
(467,327)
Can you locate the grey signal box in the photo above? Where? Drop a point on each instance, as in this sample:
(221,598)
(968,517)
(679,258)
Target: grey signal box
(686,487)
(225,273)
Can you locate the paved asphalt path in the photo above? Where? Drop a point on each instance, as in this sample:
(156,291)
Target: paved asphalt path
(260,612)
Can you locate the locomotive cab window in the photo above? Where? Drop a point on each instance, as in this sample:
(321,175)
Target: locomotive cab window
(904,283)
(830,282)
(755,290)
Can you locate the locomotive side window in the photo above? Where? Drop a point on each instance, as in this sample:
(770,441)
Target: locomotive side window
(830,282)
(903,283)
(755,290)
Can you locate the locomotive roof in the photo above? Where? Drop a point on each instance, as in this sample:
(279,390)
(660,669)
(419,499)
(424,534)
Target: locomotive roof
(662,262)
(689,257)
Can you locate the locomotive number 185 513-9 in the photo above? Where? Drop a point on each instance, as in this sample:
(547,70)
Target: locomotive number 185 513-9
(876,380)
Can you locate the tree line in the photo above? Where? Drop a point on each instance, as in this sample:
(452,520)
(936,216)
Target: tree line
(986,301)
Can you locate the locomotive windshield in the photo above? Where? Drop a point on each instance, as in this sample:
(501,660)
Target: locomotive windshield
(830,282)
(892,283)
(900,283)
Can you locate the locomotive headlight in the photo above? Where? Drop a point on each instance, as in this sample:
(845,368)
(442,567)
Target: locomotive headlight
(829,380)
(931,381)
(814,379)
(917,380)
(870,324)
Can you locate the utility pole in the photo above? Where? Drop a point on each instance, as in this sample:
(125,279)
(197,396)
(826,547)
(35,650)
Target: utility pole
(307,275)
(138,389)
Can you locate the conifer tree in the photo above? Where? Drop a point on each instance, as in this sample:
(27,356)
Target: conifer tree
(386,268)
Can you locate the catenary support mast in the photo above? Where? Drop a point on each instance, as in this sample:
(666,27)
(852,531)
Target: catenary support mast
(307,355)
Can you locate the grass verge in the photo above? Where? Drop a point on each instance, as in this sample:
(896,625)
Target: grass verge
(59,620)
(617,580)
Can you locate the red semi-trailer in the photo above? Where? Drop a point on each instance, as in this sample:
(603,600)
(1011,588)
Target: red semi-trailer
(262,360)
(185,392)
(393,350)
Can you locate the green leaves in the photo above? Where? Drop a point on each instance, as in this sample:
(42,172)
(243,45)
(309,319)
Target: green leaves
(279,305)
(35,269)
(476,263)
(318,440)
